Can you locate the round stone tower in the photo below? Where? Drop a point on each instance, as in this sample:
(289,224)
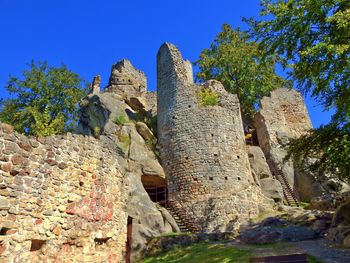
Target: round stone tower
(203,149)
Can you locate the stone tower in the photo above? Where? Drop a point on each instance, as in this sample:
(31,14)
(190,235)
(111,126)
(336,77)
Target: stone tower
(203,149)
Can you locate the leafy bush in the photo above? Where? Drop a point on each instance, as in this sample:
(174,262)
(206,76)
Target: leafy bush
(207,97)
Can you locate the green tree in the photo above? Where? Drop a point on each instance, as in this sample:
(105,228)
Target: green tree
(44,102)
(313,37)
(236,62)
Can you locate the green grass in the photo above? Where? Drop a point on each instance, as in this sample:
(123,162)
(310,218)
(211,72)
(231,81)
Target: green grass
(120,119)
(215,253)
(203,253)
(173,234)
(304,205)
(312,259)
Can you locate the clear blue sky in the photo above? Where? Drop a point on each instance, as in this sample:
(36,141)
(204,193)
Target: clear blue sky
(90,35)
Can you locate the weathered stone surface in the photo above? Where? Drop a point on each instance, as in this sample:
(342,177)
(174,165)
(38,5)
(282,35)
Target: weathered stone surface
(342,215)
(272,188)
(145,132)
(96,85)
(4,204)
(323,202)
(148,219)
(346,241)
(37,203)
(283,115)
(258,162)
(138,104)
(276,234)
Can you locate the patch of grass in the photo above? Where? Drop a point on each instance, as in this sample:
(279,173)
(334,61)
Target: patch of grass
(304,205)
(120,119)
(203,253)
(96,132)
(312,259)
(172,234)
(261,216)
(207,97)
(124,139)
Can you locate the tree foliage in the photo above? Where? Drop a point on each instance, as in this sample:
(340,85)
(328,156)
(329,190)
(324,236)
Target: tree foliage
(313,37)
(44,102)
(236,62)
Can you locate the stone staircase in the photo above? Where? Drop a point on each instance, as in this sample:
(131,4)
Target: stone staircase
(183,220)
(289,195)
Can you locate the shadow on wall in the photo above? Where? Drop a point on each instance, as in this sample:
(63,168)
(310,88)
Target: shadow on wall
(93,116)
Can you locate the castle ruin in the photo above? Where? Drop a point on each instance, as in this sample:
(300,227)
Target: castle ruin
(68,197)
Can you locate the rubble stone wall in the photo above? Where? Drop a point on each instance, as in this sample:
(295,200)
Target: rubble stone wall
(203,149)
(62,199)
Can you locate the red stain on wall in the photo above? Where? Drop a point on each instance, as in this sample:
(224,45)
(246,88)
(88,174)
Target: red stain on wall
(95,206)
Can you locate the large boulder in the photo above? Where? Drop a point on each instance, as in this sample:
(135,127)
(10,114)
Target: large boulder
(342,215)
(111,116)
(340,227)
(274,230)
(324,202)
(283,115)
(149,220)
(271,187)
(316,186)
(258,162)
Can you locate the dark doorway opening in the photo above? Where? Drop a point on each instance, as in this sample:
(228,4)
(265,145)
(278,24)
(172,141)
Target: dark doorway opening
(128,240)
(158,194)
(156,187)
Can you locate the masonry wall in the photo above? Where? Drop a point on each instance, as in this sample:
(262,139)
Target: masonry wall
(203,149)
(62,199)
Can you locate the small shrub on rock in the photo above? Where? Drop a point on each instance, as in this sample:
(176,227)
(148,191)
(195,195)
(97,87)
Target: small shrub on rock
(207,97)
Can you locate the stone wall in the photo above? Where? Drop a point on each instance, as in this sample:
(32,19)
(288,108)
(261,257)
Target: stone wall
(283,115)
(203,149)
(62,199)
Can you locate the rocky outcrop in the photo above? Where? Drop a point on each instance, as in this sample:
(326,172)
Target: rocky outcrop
(340,228)
(283,115)
(270,186)
(321,189)
(123,109)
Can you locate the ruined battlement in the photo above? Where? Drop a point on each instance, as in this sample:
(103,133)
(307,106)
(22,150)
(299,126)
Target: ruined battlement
(126,80)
